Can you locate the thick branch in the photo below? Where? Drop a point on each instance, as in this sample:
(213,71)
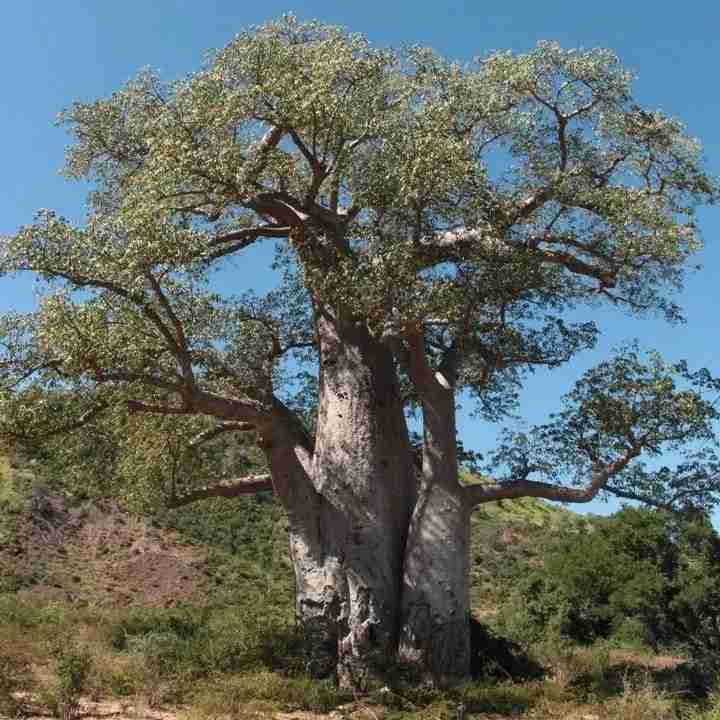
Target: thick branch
(136,406)
(482,493)
(455,245)
(255,164)
(181,345)
(419,369)
(242,486)
(102,376)
(234,241)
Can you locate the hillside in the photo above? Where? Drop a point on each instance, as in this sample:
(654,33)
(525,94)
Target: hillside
(94,553)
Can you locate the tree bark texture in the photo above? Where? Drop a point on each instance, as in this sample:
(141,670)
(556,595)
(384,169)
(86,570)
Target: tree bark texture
(435,594)
(364,479)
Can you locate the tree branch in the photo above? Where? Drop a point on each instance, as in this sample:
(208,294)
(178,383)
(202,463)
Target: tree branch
(483,493)
(248,485)
(181,345)
(122,376)
(255,163)
(419,369)
(249,235)
(87,417)
(136,406)
(220,429)
(137,299)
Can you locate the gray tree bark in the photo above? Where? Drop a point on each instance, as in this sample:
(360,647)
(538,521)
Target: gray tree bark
(435,633)
(288,451)
(363,469)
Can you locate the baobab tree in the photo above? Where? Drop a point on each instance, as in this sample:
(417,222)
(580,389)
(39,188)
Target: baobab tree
(435,225)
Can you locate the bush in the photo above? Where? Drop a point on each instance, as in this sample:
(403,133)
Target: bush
(639,576)
(72,666)
(163,663)
(171,649)
(114,674)
(183,624)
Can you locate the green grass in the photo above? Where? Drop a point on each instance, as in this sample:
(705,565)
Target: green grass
(246,661)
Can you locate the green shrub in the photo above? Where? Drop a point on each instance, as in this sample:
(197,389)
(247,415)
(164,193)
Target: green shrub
(639,576)
(72,666)
(163,665)
(115,674)
(136,622)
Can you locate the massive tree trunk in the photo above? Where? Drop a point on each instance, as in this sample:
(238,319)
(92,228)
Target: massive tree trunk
(435,596)
(378,564)
(363,471)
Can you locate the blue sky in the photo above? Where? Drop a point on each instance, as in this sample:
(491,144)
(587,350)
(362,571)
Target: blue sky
(55,52)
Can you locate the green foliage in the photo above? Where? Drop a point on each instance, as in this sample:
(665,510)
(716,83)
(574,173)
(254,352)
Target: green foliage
(11,500)
(72,667)
(162,657)
(139,622)
(12,503)
(695,605)
(640,576)
(376,175)
(247,526)
(174,649)
(621,408)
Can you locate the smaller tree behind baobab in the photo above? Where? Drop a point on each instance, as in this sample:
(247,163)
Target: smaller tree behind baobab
(435,223)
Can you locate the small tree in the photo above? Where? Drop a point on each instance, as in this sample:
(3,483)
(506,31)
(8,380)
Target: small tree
(435,224)
(643,572)
(615,575)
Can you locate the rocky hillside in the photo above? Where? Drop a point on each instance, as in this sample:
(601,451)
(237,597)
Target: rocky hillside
(94,553)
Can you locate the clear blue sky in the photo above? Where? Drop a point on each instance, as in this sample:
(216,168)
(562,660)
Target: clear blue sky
(55,52)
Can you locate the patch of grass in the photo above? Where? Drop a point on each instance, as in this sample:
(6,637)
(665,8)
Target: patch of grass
(232,695)
(247,662)
(641,700)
